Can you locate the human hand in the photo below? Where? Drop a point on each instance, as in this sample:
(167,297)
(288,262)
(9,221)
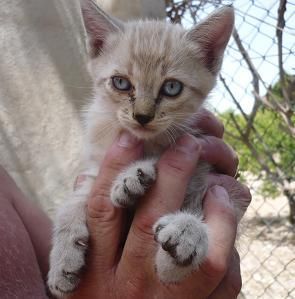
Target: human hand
(129,273)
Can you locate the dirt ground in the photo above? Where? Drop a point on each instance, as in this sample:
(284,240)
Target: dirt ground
(267,250)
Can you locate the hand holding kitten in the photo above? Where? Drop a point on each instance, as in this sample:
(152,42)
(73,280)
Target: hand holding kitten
(129,273)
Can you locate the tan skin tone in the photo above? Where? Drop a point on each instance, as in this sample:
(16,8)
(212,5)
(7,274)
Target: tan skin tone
(113,272)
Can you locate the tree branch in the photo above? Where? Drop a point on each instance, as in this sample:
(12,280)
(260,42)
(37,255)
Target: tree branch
(279,33)
(233,98)
(252,149)
(255,80)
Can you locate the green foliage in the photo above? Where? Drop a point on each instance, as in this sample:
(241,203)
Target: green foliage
(274,148)
(268,151)
(290,88)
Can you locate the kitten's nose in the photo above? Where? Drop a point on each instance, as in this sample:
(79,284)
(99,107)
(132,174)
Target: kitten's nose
(143,119)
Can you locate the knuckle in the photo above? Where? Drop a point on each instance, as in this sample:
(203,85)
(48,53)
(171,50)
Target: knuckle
(216,269)
(218,126)
(243,198)
(219,269)
(116,165)
(142,228)
(173,166)
(100,207)
(99,193)
(143,237)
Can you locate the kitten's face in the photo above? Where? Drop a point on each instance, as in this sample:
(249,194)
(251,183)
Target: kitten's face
(152,74)
(151,79)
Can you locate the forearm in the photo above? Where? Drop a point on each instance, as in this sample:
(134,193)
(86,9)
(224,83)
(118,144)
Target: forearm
(23,253)
(35,220)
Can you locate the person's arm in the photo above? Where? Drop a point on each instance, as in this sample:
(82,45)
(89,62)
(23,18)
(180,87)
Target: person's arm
(34,219)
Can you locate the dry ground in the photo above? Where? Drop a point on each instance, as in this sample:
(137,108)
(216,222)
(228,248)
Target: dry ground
(267,250)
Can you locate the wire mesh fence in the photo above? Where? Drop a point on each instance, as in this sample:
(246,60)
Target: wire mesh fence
(255,97)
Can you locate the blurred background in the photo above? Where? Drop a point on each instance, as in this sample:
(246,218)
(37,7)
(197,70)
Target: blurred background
(44,85)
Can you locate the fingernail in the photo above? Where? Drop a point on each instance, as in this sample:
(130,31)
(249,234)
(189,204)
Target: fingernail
(219,192)
(127,140)
(188,145)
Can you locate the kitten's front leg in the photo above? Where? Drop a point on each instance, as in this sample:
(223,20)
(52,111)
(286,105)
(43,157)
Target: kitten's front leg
(183,244)
(70,239)
(133,183)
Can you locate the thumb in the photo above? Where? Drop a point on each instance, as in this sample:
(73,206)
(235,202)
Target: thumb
(221,219)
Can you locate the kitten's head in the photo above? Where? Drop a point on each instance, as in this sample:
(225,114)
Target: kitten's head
(152,74)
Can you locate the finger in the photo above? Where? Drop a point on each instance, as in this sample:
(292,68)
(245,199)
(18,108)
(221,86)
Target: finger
(222,225)
(105,221)
(231,284)
(174,171)
(219,154)
(219,214)
(238,193)
(209,124)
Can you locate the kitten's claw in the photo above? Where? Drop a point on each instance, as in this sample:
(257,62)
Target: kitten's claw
(184,244)
(133,183)
(67,259)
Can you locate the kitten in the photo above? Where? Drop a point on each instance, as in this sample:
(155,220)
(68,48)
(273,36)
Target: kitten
(151,78)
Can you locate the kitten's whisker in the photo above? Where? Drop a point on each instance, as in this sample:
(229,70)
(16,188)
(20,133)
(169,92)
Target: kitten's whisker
(168,138)
(187,116)
(103,130)
(183,128)
(76,86)
(174,131)
(88,110)
(166,134)
(172,136)
(187,129)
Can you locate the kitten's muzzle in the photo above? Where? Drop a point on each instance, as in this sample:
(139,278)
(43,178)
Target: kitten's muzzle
(143,119)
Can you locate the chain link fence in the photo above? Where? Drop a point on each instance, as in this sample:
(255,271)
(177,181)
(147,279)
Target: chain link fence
(255,96)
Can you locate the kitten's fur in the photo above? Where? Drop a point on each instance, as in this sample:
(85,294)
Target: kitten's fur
(147,53)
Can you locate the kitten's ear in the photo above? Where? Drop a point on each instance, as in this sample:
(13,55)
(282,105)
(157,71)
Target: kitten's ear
(98,25)
(212,36)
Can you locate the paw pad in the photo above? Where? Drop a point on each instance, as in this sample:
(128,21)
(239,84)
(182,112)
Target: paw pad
(183,237)
(133,183)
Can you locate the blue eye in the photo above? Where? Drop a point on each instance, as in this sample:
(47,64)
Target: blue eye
(121,83)
(171,88)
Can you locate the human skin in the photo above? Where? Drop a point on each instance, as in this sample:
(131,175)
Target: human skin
(128,272)
(25,233)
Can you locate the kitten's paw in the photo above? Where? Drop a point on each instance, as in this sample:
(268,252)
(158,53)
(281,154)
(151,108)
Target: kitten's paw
(67,259)
(133,183)
(184,244)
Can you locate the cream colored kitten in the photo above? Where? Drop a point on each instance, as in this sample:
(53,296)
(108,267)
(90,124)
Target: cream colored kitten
(149,77)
